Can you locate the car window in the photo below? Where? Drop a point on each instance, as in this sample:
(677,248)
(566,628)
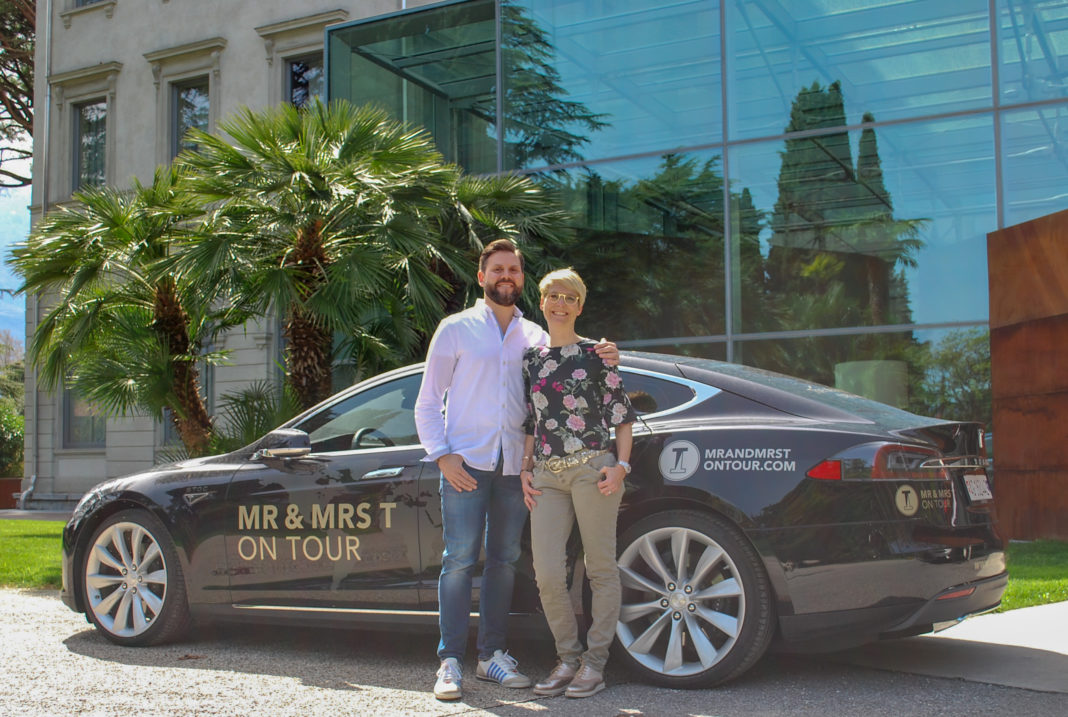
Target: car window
(380,416)
(652,395)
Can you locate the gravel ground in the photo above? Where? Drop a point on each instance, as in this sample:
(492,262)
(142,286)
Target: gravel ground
(55,664)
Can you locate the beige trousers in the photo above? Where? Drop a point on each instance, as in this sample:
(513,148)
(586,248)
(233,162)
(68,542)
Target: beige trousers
(566,496)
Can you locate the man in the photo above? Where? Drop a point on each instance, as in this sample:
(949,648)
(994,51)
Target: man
(475,357)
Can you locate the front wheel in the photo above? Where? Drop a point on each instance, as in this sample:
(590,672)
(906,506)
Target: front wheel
(132,581)
(696,602)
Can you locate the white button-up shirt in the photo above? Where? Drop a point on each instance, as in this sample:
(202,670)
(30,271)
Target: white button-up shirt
(481,371)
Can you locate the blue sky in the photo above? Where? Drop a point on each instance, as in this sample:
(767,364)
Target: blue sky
(14,225)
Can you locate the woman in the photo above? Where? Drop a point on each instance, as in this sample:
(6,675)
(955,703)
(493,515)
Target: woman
(574,400)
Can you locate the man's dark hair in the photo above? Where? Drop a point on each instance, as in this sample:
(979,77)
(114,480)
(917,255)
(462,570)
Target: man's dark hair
(499,245)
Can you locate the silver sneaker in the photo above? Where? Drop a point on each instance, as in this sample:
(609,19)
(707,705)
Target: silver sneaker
(501,668)
(450,680)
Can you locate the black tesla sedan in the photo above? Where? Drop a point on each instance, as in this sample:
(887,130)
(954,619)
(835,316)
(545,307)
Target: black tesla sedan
(760,508)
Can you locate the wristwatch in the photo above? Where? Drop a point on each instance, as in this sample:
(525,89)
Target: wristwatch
(626,466)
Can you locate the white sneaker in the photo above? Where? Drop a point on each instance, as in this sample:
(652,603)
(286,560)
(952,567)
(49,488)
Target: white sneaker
(450,680)
(501,668)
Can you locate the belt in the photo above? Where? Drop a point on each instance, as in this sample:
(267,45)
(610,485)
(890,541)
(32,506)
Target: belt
(558,464)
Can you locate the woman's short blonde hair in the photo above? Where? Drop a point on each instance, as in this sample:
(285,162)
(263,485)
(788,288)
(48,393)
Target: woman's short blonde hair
(568,278)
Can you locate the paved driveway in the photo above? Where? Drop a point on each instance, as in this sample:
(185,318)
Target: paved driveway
(55,664)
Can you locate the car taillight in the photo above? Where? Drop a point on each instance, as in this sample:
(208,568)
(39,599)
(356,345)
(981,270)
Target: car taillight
(907,462)
(893,461)
(827,470)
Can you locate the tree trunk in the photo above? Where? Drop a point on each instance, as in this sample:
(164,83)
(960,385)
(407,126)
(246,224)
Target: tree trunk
(190,416)
(308,360)
(309,350)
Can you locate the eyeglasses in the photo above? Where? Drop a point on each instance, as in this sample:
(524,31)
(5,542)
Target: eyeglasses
(566,298)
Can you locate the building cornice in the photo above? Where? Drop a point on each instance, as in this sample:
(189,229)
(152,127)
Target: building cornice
(268,32)
(213,44)
(84,73)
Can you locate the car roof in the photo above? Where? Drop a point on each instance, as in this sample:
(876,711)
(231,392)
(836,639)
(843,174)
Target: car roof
(779,391)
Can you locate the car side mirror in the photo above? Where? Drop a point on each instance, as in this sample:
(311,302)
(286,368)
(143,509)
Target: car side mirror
(283,443)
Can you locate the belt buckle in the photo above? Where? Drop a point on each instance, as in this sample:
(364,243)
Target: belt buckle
(555,464)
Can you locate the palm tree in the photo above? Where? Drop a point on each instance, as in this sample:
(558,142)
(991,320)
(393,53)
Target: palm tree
(321,218)
(121,329)
(486,208)
(347,225)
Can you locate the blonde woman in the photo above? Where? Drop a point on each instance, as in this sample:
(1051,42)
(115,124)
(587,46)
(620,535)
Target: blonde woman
(570,473)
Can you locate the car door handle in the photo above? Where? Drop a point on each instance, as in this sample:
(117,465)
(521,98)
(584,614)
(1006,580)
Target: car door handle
(384,473)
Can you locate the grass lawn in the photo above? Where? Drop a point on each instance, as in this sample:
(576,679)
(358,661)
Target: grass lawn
(1038,574)
(29,553)
(29,558)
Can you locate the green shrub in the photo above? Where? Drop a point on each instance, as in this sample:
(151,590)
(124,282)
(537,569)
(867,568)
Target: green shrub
(12,429)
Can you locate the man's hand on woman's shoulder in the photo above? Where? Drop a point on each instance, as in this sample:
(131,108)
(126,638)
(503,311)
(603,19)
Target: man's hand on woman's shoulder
(607,351)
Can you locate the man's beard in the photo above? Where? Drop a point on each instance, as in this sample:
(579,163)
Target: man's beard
(498,297)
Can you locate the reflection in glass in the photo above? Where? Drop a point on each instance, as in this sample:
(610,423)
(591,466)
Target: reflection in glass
(380,416)
(91,141)
(939,373)
(1032,50)
(867,228)
(648,237)
(896,60)
(716,350)
(1035,143)
(305,79)
(84,424)
(190,111)
(861,147)
(436,69)
(589,80)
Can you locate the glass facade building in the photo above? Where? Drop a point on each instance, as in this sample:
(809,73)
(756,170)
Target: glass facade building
(799,186)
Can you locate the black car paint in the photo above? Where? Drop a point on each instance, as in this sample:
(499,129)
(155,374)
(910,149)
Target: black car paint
(842,563)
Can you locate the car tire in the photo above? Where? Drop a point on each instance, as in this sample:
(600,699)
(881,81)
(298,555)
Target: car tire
(132,583)
(696,601)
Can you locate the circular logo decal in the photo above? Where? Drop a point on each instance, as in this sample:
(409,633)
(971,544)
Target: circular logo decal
(679,460)
(908,502)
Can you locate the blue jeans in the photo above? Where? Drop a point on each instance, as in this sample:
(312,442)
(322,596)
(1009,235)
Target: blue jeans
(493,516)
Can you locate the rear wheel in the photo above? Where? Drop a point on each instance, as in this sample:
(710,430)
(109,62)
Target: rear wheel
(696,607)
(132,581)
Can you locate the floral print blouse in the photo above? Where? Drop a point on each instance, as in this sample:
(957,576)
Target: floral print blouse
(573,399)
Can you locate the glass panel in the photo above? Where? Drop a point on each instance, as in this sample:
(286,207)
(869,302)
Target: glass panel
(190,111)
(650,395)
(588,80)
(1034,162)
(305,80)
(648,241)
(380,416)
(435,68)
(90,139)
(895,236)
(1032,49)
(890,58)
(83,424)
(940,373)
(697,349)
